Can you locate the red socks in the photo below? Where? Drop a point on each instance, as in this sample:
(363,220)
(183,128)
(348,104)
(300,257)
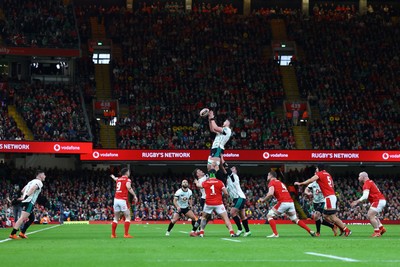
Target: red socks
(272,224)
(303,225)
(126,227)
(114,227)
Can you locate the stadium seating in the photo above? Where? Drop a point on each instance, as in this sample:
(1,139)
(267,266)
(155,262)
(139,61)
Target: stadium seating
(9,129)
(39,24)
(170,71)
(51,111)
(352,79)
(174,64)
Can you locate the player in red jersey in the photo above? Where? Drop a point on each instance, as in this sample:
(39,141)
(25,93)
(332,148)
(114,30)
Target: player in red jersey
(377,201)
(122,187)
(214,189)
(325,182)
(285,204)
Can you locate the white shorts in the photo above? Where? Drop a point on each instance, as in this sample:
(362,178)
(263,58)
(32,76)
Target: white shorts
(330,203)
(378,205)
(120,205)
(218,209)
(283,207)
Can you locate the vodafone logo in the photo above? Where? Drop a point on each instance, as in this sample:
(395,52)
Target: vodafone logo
(96,154)
(57,147)
(385,156)
(278,155)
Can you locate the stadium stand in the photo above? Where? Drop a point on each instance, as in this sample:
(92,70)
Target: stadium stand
(352,79)
(39,24)
(9,129)
(172,78)
(51,111)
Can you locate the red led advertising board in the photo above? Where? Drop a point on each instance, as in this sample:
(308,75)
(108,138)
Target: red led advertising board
(45,147)
(244,155)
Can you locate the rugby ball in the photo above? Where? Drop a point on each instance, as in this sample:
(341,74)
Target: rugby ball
(204,112)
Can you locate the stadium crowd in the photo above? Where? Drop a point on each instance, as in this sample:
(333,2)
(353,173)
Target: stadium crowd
(53,112)
(88,195)
(351,75)
(9,129)
(175,64)
(185,61)
(44,23)
(184,84)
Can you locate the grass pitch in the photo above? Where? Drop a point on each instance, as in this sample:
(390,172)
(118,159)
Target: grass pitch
(91,245)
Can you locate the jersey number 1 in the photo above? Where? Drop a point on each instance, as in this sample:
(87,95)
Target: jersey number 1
(212,190)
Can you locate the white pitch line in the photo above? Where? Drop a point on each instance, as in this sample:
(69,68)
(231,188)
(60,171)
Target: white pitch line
(235,260)
(233,240)
(34,232)
(183,232)
(264,260)
(332,257)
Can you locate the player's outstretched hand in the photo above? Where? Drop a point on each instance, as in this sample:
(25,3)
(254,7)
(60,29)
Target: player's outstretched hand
(297,183)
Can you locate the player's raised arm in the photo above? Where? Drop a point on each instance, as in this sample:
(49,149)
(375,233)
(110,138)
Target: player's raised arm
(113,177)
(308,181)
(212,124)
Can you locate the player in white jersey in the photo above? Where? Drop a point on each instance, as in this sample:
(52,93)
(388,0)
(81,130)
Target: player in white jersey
(223,134)
(238,211)
(201,177)
(183,203)
(314,191)
(30,193)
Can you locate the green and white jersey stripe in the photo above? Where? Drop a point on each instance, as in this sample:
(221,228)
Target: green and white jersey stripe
(318,197)
(32,198)
(183,197)
(233,187)
(222,138)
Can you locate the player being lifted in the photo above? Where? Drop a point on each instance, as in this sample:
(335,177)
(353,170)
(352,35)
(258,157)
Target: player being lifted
(223,133)
(183,203)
